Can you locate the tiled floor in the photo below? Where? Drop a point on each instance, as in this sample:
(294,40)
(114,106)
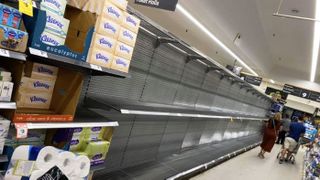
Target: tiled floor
(249,167)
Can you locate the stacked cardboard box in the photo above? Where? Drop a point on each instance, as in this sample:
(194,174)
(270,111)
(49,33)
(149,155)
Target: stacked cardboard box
(114,37)
(37,86)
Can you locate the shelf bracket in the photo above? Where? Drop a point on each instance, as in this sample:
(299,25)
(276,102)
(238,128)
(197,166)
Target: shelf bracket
(191,57)
(161,40)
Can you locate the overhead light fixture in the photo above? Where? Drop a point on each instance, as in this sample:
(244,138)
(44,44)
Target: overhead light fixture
(316,41)
(213,37)
(159,113)
(272,81)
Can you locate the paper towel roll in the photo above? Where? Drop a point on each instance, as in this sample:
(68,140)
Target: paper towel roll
(81,166)
(66,162)
(47,158)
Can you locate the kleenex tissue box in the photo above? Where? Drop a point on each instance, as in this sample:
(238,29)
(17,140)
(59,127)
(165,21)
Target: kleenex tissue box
(103,42)
(55,6)
(57,25)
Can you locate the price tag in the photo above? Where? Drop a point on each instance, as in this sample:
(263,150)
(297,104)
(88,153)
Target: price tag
(38,52)
(4,53)
(22,130)
(95,67)
(26,7)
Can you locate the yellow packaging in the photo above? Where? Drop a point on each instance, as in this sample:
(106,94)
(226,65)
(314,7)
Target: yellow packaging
(130,22)
(110,11)
(120,64)
(122,4)
(103,42)
(123,50)
(34,100)
(100,57)
(107,27)
(127,36)
(39,85)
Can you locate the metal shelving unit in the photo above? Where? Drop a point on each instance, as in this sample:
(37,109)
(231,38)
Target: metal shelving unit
(12,55)
(8,105)
(53,59)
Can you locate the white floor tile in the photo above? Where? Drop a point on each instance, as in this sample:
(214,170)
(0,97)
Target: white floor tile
(248,166)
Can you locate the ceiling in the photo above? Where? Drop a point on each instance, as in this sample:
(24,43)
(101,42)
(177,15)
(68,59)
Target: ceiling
(276,48)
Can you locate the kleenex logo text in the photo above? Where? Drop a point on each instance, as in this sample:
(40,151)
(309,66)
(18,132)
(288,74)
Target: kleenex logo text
(37,99)
(54,21)
(42,69)
(130,20)
(124,48)
(55,3)
(103,41)
(102,57)
(48,39)
(127,34)
(113,11)
(40,84)
(110,27)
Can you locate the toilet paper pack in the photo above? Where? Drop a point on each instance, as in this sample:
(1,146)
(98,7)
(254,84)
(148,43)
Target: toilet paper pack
(120,64)
(110,11)
(51,39)
(103,42)
(55,6)
(130,22)
(57,25)
(100,57)
(127,36)
(123,50)
(105,26)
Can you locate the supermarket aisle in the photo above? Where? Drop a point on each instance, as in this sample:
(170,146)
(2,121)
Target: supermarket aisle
(249,167)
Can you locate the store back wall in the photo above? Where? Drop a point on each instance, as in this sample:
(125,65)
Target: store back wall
(161,75)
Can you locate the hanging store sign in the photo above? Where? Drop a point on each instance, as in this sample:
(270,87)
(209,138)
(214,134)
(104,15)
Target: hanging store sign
(161,4)
(300,92)
(254,80)
(270,90)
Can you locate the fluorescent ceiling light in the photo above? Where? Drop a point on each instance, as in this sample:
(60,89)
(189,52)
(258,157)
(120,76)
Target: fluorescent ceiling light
(158,113)
(214,38)
(316,41)
(272,81)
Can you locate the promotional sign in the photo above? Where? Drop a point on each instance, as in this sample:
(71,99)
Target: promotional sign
(252,79)
(300,92)
(161,4)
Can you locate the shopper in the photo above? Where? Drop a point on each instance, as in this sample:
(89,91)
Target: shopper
(270,134)
(296,130)
(284,129)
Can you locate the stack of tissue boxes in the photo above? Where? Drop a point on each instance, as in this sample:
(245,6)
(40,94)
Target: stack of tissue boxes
(114,37)
(36,90)
(11,37)
(6,86)
(56,28)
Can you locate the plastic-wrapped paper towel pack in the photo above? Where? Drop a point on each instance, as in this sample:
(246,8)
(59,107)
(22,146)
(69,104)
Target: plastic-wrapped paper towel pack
(49,162)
